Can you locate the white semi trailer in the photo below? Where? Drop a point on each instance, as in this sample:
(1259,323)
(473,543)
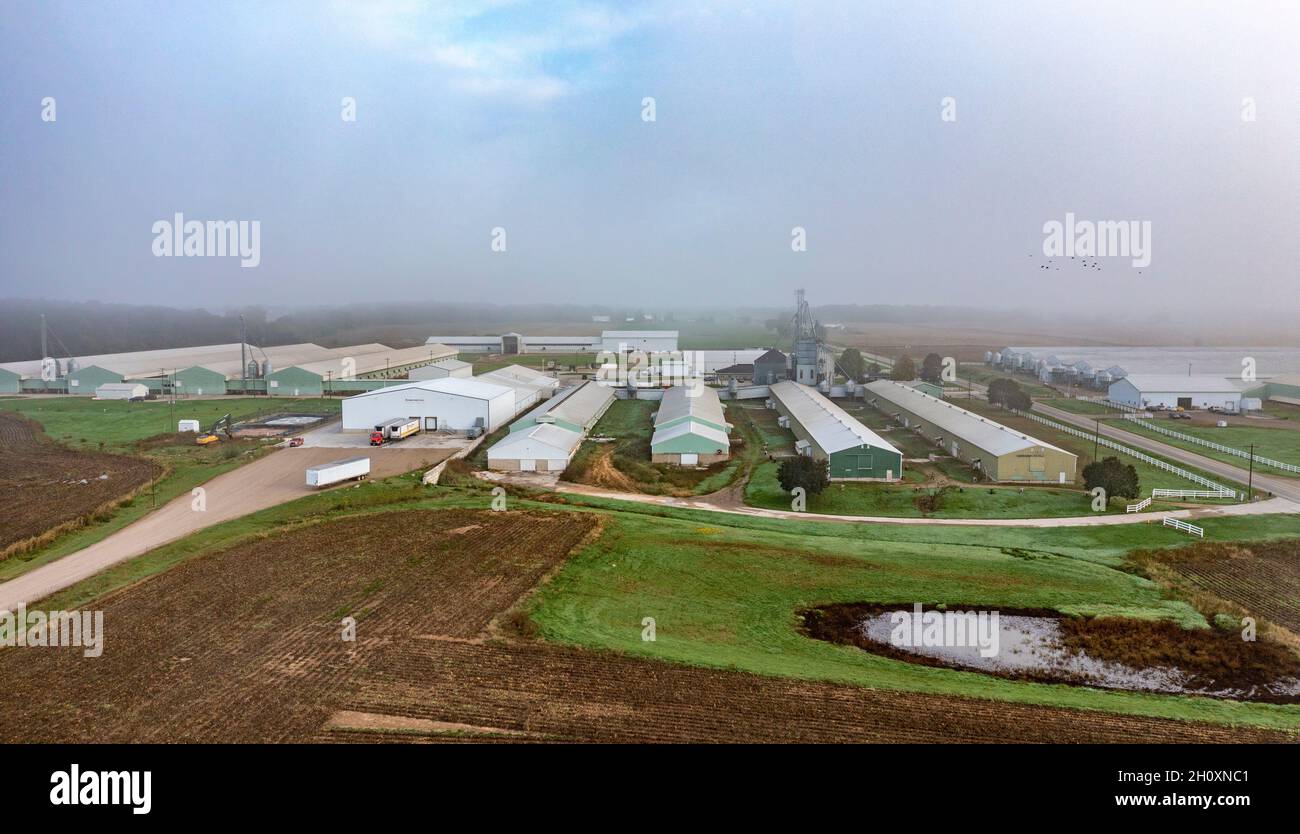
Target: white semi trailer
(348,469)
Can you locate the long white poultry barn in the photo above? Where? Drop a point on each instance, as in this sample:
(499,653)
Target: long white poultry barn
(450,404)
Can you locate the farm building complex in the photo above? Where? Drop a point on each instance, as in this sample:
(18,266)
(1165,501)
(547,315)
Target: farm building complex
(299,370)
(1001,453)
(827,432)
(546,438)
(1098,367)
(690,428)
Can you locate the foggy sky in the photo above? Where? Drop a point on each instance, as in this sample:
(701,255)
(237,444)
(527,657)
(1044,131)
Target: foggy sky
(471,116)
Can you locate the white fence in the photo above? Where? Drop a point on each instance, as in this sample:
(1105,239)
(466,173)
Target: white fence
(1200,441)
(1184,526)
(1139,506)
(1191,493)
(1222,491)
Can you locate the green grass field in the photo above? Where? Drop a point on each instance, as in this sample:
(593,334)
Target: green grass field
(115,424)
(981,375)
(631,424)
(1277,443)
(1091,409)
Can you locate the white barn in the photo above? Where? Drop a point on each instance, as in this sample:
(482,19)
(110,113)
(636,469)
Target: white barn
(122,391)
(1174,391)
(442,369)
(449,404)
(646,341)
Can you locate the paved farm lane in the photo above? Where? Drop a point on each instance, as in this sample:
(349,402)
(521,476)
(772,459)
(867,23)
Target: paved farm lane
(274,479)
(1281,487)
(1274,505)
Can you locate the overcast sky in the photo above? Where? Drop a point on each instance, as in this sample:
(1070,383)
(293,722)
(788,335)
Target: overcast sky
(529,117)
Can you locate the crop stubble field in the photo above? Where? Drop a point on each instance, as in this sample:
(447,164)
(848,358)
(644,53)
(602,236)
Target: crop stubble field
(41,487)
(243,644)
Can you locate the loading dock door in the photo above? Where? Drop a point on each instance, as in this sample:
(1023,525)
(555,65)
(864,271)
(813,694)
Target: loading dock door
(528,466)
(430,423)
(690,458)
(1184,402)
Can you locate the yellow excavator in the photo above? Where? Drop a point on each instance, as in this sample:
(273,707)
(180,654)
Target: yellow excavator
(211,436)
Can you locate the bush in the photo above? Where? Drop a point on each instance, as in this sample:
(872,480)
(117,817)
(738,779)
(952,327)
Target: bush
(813,475)
(1120,480)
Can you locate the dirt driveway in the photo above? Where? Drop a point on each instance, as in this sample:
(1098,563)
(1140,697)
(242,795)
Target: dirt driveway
(275,479)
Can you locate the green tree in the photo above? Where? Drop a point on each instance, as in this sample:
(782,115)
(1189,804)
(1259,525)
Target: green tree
(1007,393)
(904,369)
(800,471)
(1120,480)
(932,368)
(873,370)
(851,363)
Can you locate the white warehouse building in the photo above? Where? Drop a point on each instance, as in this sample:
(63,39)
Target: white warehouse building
(450,404)
(645,341)
(1174,391)
(442,369)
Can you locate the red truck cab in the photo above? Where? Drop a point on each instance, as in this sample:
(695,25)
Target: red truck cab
(376,438)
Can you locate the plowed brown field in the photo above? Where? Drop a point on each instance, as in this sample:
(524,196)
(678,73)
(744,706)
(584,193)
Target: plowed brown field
(1262,577)
(244,645)
(45,486)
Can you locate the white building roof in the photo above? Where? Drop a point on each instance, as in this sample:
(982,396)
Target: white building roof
(955,421)
(472,387)
(677,403)
(577,404)
(370,358)
(639,334)
(520,374)
(690,427)
(1170,383)
(831,427)
(524,444)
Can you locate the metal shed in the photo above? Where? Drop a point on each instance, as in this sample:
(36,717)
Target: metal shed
(1001,453)
(690,428)
(830,433)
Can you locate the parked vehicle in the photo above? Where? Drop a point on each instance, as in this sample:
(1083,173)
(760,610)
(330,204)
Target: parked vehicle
(376,438)
(397,428)
(348,469)
(403,429)
(295,441)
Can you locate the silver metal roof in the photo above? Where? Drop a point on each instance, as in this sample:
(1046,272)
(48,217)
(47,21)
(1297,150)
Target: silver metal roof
(960,424)
(831,427)
(677,403)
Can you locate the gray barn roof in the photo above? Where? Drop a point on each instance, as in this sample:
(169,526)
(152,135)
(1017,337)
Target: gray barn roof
(961,424)
(831,427)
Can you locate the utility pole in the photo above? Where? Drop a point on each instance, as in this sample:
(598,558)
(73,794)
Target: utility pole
(1250,479)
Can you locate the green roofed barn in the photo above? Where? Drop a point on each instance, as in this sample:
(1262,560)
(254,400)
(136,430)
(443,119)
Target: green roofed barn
(10,382)
(827,432)
(198,381)
(86,380)
(690,428)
